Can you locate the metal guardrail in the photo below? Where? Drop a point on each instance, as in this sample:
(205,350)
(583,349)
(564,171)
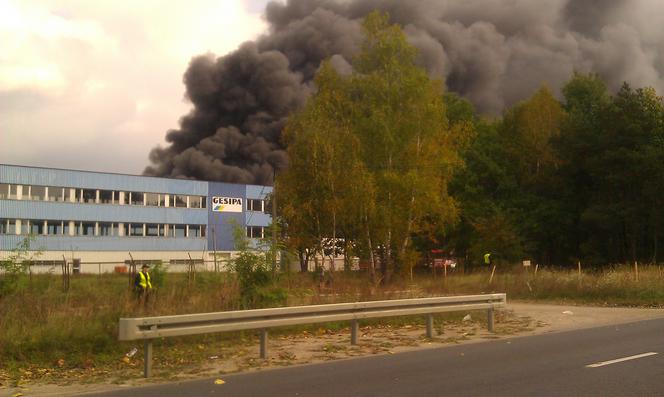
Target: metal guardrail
(149,328)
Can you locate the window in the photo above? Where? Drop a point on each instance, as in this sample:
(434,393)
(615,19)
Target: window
(11,226)
(37,227)
(167,231)
(89,196)
(152,230)
(195,231)
(179,230)
(38,193)
(203,202)
(195,201)
(54,228)
(152,199)
(106,229)
(106,196)
(87,229)
(72,195)
(65,228)
(123,197)
(3,226)
(162,200)
(4,191)
(12,192)
(255,231)
(267,207)
(179,201)
(25,227)
(125,229)
(136,198)
(254,205)
(55,194)
(136,229)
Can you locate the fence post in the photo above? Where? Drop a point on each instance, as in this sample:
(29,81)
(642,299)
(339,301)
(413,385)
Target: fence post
(429,325)
(354,329)
(490,319)
(263,343)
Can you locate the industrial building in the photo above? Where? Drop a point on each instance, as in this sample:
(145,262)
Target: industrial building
(99,221)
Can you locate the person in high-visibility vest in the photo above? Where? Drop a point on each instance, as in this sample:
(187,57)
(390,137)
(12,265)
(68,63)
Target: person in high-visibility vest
(143,283)
(487,258)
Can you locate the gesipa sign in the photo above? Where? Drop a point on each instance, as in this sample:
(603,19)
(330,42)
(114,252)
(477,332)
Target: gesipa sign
(226,204)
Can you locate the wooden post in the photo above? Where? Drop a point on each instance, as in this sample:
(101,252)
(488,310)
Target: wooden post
(65,274)
(214,247)
(132,271)
(536,267)
(492,272)
(192,269)
(490,319)
(579,266)
(636,271)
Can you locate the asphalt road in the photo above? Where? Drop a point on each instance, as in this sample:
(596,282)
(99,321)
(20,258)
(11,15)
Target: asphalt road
(554,364)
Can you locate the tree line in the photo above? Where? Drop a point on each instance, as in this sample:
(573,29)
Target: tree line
(385,166)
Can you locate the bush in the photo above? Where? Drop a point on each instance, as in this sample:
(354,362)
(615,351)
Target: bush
(15,268)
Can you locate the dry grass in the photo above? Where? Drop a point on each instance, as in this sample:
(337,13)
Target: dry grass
(44,327)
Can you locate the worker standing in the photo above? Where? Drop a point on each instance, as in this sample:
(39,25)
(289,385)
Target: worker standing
(488,262)
(143,284)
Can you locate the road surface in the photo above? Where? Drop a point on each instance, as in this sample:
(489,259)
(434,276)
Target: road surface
(615,360)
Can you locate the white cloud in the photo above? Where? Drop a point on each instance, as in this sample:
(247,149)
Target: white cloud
(96,84)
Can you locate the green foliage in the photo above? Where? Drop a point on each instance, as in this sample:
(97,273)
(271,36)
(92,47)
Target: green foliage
(558,182)
(255,275)
(14,269)
(158,274)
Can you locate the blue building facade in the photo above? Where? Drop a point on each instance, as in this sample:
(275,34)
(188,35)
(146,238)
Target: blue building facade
(94,214)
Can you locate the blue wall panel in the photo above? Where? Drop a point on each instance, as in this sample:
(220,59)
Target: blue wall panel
(220,229)
(96,180)
(257,219)
(258,192)
(83,243)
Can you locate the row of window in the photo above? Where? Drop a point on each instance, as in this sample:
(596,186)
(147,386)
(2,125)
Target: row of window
(78,228)
(97,196)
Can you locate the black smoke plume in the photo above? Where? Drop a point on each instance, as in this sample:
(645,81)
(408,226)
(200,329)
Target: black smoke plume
(493,52)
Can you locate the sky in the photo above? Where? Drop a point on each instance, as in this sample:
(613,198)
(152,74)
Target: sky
(95,85)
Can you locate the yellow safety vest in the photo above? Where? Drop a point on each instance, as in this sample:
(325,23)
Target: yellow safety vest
(487,259)
(145,280)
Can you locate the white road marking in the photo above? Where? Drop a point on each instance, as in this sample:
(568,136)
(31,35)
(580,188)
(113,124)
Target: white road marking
(618,360)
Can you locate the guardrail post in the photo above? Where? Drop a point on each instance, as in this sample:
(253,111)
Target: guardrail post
(263,343)
(354,329)
(147,358)
(490,319)
(429,325)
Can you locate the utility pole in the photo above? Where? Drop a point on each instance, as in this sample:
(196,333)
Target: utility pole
(274,218)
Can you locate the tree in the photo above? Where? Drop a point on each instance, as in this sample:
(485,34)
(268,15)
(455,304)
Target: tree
(372,153)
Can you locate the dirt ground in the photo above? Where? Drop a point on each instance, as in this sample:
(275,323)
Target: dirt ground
(518,319)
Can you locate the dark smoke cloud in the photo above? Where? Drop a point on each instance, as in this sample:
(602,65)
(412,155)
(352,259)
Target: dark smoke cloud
(493,52)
